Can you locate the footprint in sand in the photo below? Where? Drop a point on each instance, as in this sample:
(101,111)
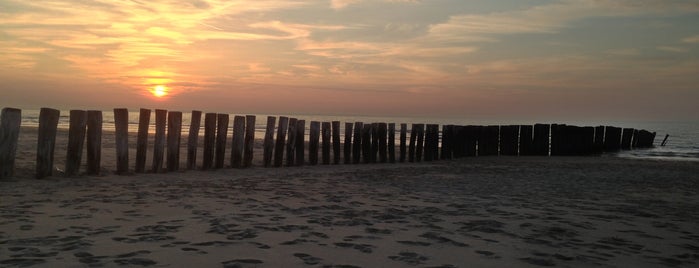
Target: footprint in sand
(307,259)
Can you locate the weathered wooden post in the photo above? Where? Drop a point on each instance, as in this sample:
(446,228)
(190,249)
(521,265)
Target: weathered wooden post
(626,138)
(336,141)
(348,143)
(174,136)
(588,143)
(636,138)
(541,139)
(325,134)
(489,140)
(434,141)
(413,141)
(366,144)
(209,140)
(557,136)
(612,139)
(142,140)
(76,139)
(374,142)
(526,140)
(249,140)
(238,141)
(159,142)
(193,139)
(291,143)
(446,149)
(598,146)
(429,139)
(269,141)
(221,139)
(459,141)
(383,146)
(508,139)
(357,145)
(472,135)
(281,139)
(48,123)
(402,137)
(10,122)
(392,142)
(94,142)
(300,141)
(121,125)
(419,147)
(313,139)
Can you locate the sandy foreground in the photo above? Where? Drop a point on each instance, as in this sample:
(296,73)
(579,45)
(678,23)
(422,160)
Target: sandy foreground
(473,212)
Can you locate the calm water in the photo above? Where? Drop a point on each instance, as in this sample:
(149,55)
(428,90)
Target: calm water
(682,144)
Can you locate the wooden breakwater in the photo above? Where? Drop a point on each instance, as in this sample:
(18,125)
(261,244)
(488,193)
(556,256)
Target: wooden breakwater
(363,142)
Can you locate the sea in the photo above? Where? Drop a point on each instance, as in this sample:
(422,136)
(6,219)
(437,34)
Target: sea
(682,143)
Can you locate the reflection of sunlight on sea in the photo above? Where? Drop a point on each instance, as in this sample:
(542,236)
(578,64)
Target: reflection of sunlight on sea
(682,144)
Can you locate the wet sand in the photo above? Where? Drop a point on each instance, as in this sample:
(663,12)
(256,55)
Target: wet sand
(473,212)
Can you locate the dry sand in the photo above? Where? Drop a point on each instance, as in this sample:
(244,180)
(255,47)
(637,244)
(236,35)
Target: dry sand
(474,212)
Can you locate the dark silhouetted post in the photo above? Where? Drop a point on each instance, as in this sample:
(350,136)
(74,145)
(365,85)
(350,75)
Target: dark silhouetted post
(413,141)
(76,139)
(221,138)
(281,139)
(588,136)
(300,141)
(599,140)
(357,143)
(366,144)
(325,131)
(508,139)
(238,141)
(626,138)
(419,147)
(142,140)
(268,145)
(429,140)
(382,136)
(48,122)
(392,142)
(374,142)
(348,143)
(249,140)
(612,139)
(94,142)
(313,140)
(291,143)
(472,142)
(336,141)
(193,139)
(541,139)
(174,136)
(209,140)
(159,143)
(446,150)
(403,136)
(121,125)
(10,122)
(526,140)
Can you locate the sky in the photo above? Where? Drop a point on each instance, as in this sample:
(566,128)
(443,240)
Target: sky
(523,59)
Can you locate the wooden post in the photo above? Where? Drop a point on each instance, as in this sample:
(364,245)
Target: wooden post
(313,139)
(249,140)
(392,142)
(472,144)
(626,138)
(413,141)
(174,136)
(209,140)
(238,141)
(193,139)
(420,142)
(281,139)
(434,141)
(221,138)
(541,139)
(665,140)
(48,123)
(446,149)
(269,141)
(382,131)
(76,139)
(557,139)
(325,131)
(612,139)
(526,140)
(508,139)
(489,141)
(357,145)
(291,143)
(159,143)
(300,141)
(336,141)
(10,122)
(598,147)
(142,140)
(366,144)
(636,138)
(588,136)
(121,124)
(348,143)
(429,140)
(374,142)
(459,141)
(402,137)
(94,142)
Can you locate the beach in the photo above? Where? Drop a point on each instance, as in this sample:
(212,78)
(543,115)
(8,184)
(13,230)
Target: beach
(470,212)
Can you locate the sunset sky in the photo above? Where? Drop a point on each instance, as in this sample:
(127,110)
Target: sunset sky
(538,59)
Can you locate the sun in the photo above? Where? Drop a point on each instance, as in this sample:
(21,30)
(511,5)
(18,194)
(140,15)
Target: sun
(159,91)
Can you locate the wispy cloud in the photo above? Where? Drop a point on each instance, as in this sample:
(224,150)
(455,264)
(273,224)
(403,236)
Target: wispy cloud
(691,39)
